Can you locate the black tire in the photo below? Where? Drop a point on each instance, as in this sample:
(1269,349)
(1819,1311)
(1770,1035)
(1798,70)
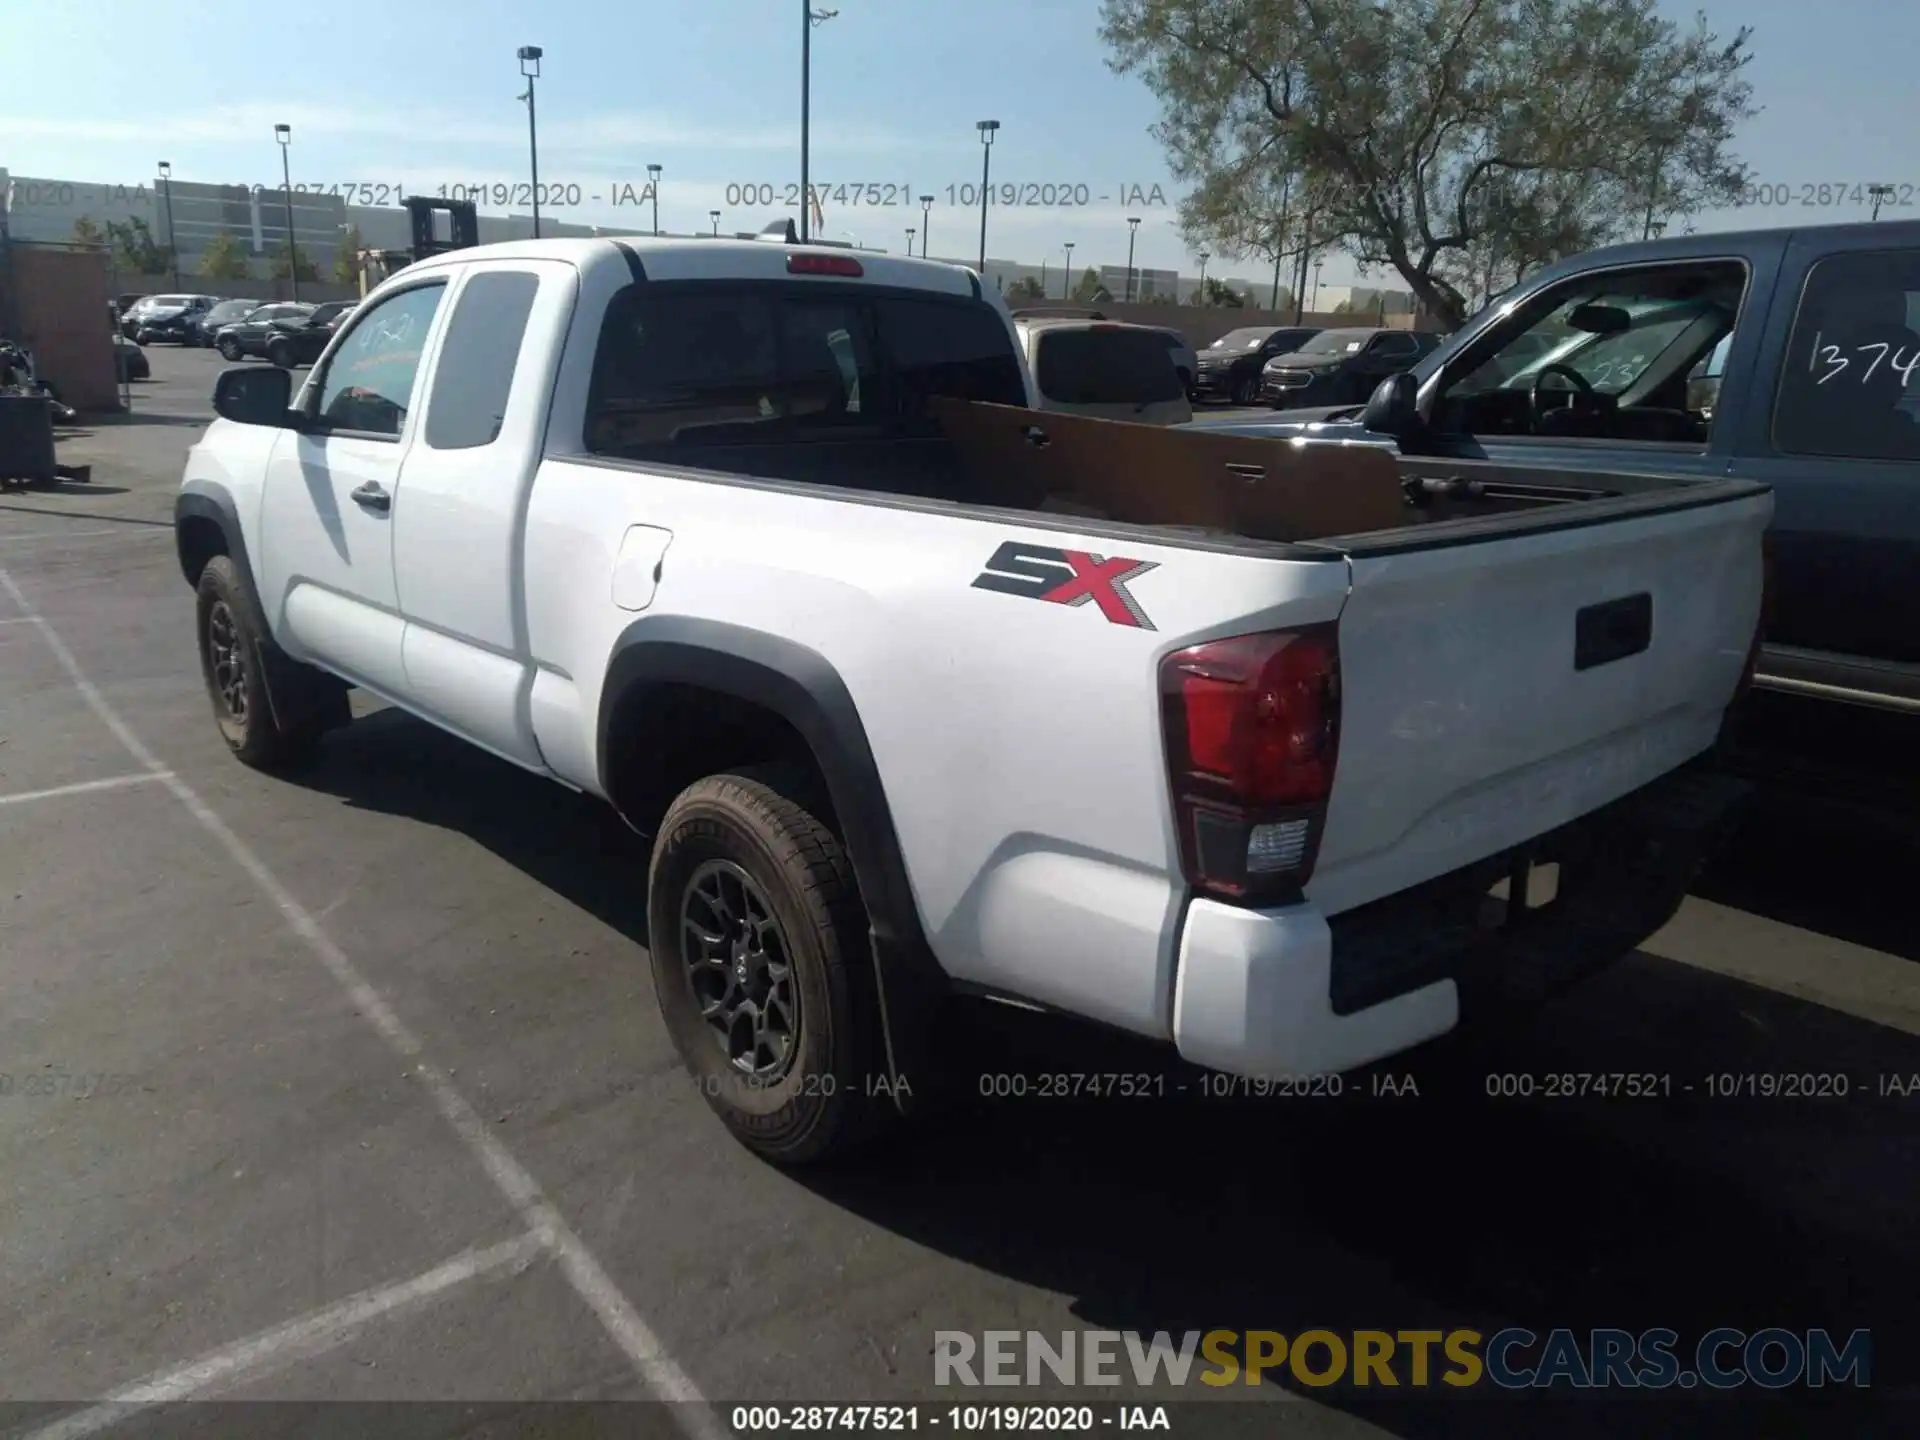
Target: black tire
(233,660)
(816,1097)
(280,353)
(228,348)
(1245,391)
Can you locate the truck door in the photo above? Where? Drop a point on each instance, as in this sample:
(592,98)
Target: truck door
(458,538)
(1832,422)
(326,524)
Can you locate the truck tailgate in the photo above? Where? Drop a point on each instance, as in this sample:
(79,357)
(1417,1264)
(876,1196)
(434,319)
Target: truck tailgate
(1499,682)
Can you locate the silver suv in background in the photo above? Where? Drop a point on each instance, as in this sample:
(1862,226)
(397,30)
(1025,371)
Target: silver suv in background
(1103,369)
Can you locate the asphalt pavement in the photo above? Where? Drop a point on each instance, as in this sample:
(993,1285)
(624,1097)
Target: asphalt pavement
(353,1088)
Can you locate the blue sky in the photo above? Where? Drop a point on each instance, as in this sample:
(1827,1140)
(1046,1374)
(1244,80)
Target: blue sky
(422,94)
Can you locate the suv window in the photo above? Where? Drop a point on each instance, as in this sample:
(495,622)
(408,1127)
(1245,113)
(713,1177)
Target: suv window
(368,385)
(714,365)
(1395,344)
(477,359)
(1105,367)
(1851,383)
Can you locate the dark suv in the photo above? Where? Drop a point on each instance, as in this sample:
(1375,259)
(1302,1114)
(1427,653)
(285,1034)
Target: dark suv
(1229,368)
(249,336)
(227,312)
(1341,367)
(300,341)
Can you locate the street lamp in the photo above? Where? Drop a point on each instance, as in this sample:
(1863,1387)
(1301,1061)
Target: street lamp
(1066,282)
(1203,275)
(715,214)
(1879,193)
(986,129)
(653,184)
(1316,285)
(910,234)
(284,134)
(809,17)
(1133,228)
(926,223)
(530,67)
(173,252)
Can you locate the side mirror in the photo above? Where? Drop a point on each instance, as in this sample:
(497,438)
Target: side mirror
(254,395)
(1390,409)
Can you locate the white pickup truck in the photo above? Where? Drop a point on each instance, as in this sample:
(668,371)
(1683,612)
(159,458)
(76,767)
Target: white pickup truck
(758,542)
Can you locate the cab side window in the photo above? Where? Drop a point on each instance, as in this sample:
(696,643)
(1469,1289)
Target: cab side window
(1850,386)
(474,379)
(369,382)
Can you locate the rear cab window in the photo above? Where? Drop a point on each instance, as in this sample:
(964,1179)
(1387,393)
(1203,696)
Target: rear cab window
(1850,387)
(1100,366)
(473,378)
(709,363)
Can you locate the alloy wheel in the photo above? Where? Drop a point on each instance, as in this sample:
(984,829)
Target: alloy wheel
(740,969)
(228,654)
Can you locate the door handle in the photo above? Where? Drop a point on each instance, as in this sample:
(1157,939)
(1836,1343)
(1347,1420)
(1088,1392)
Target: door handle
(373,496)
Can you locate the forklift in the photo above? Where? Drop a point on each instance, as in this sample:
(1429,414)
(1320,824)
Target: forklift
(462,231)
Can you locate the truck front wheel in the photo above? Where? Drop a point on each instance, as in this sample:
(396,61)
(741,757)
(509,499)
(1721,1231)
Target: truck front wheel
(232,660)
(759,949)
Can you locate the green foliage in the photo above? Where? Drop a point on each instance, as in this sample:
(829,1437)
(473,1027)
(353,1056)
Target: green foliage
(1025,288)
(225,259)
(1217,293)
(346,259)
(1088,290)
(87,231)
(134,248)
(301,267)
(1419,135)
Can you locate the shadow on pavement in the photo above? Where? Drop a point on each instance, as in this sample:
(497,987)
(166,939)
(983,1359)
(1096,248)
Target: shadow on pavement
(1440,1206)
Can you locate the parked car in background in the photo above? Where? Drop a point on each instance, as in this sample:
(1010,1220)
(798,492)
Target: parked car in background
(292,342)
(131,360)
(1103,369)
(1339,366)
(250,335)
(227,312)
(1184,360)
(1790,357)
(1229,368)
(123,304)
(170,318)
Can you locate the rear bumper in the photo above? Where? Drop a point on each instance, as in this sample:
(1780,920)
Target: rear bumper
(1290,992)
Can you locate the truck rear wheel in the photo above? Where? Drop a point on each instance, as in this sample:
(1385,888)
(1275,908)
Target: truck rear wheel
(232,661)
(758,943)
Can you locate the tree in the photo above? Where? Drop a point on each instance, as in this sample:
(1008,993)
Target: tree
(134,249)
(1345,307)
(1088,290)
(302,267)
(346,259)
(224,259)
(1218,293)
(1421,133)
(87,231)
(1025,288)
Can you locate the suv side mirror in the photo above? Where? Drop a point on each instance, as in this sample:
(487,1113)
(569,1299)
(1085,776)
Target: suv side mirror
(1390,409)
(253,395)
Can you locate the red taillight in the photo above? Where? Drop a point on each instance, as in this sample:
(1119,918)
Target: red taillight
(801,263)
(1253,733)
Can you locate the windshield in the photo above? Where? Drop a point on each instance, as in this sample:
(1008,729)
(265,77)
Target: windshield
(1336,342)
(324,313)
(1250,339)
(232,309)
(170,302)
(1106,367)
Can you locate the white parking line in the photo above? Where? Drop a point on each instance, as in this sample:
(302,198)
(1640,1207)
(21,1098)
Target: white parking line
(56,534)
(300,1339)
(623,1324)
(82,787)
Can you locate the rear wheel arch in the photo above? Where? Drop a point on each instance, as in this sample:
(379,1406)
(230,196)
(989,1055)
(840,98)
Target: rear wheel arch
(756,699)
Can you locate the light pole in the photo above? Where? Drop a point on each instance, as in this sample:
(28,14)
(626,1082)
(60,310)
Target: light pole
(653,183)
(910,233)
(986,129)
(1133,228)
(809,17)
(173,252)
(1066,280)
(1316,285)
(1203,275)
(284,134)
(926,223)
(715,216)
(1879,193)
(530,67)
